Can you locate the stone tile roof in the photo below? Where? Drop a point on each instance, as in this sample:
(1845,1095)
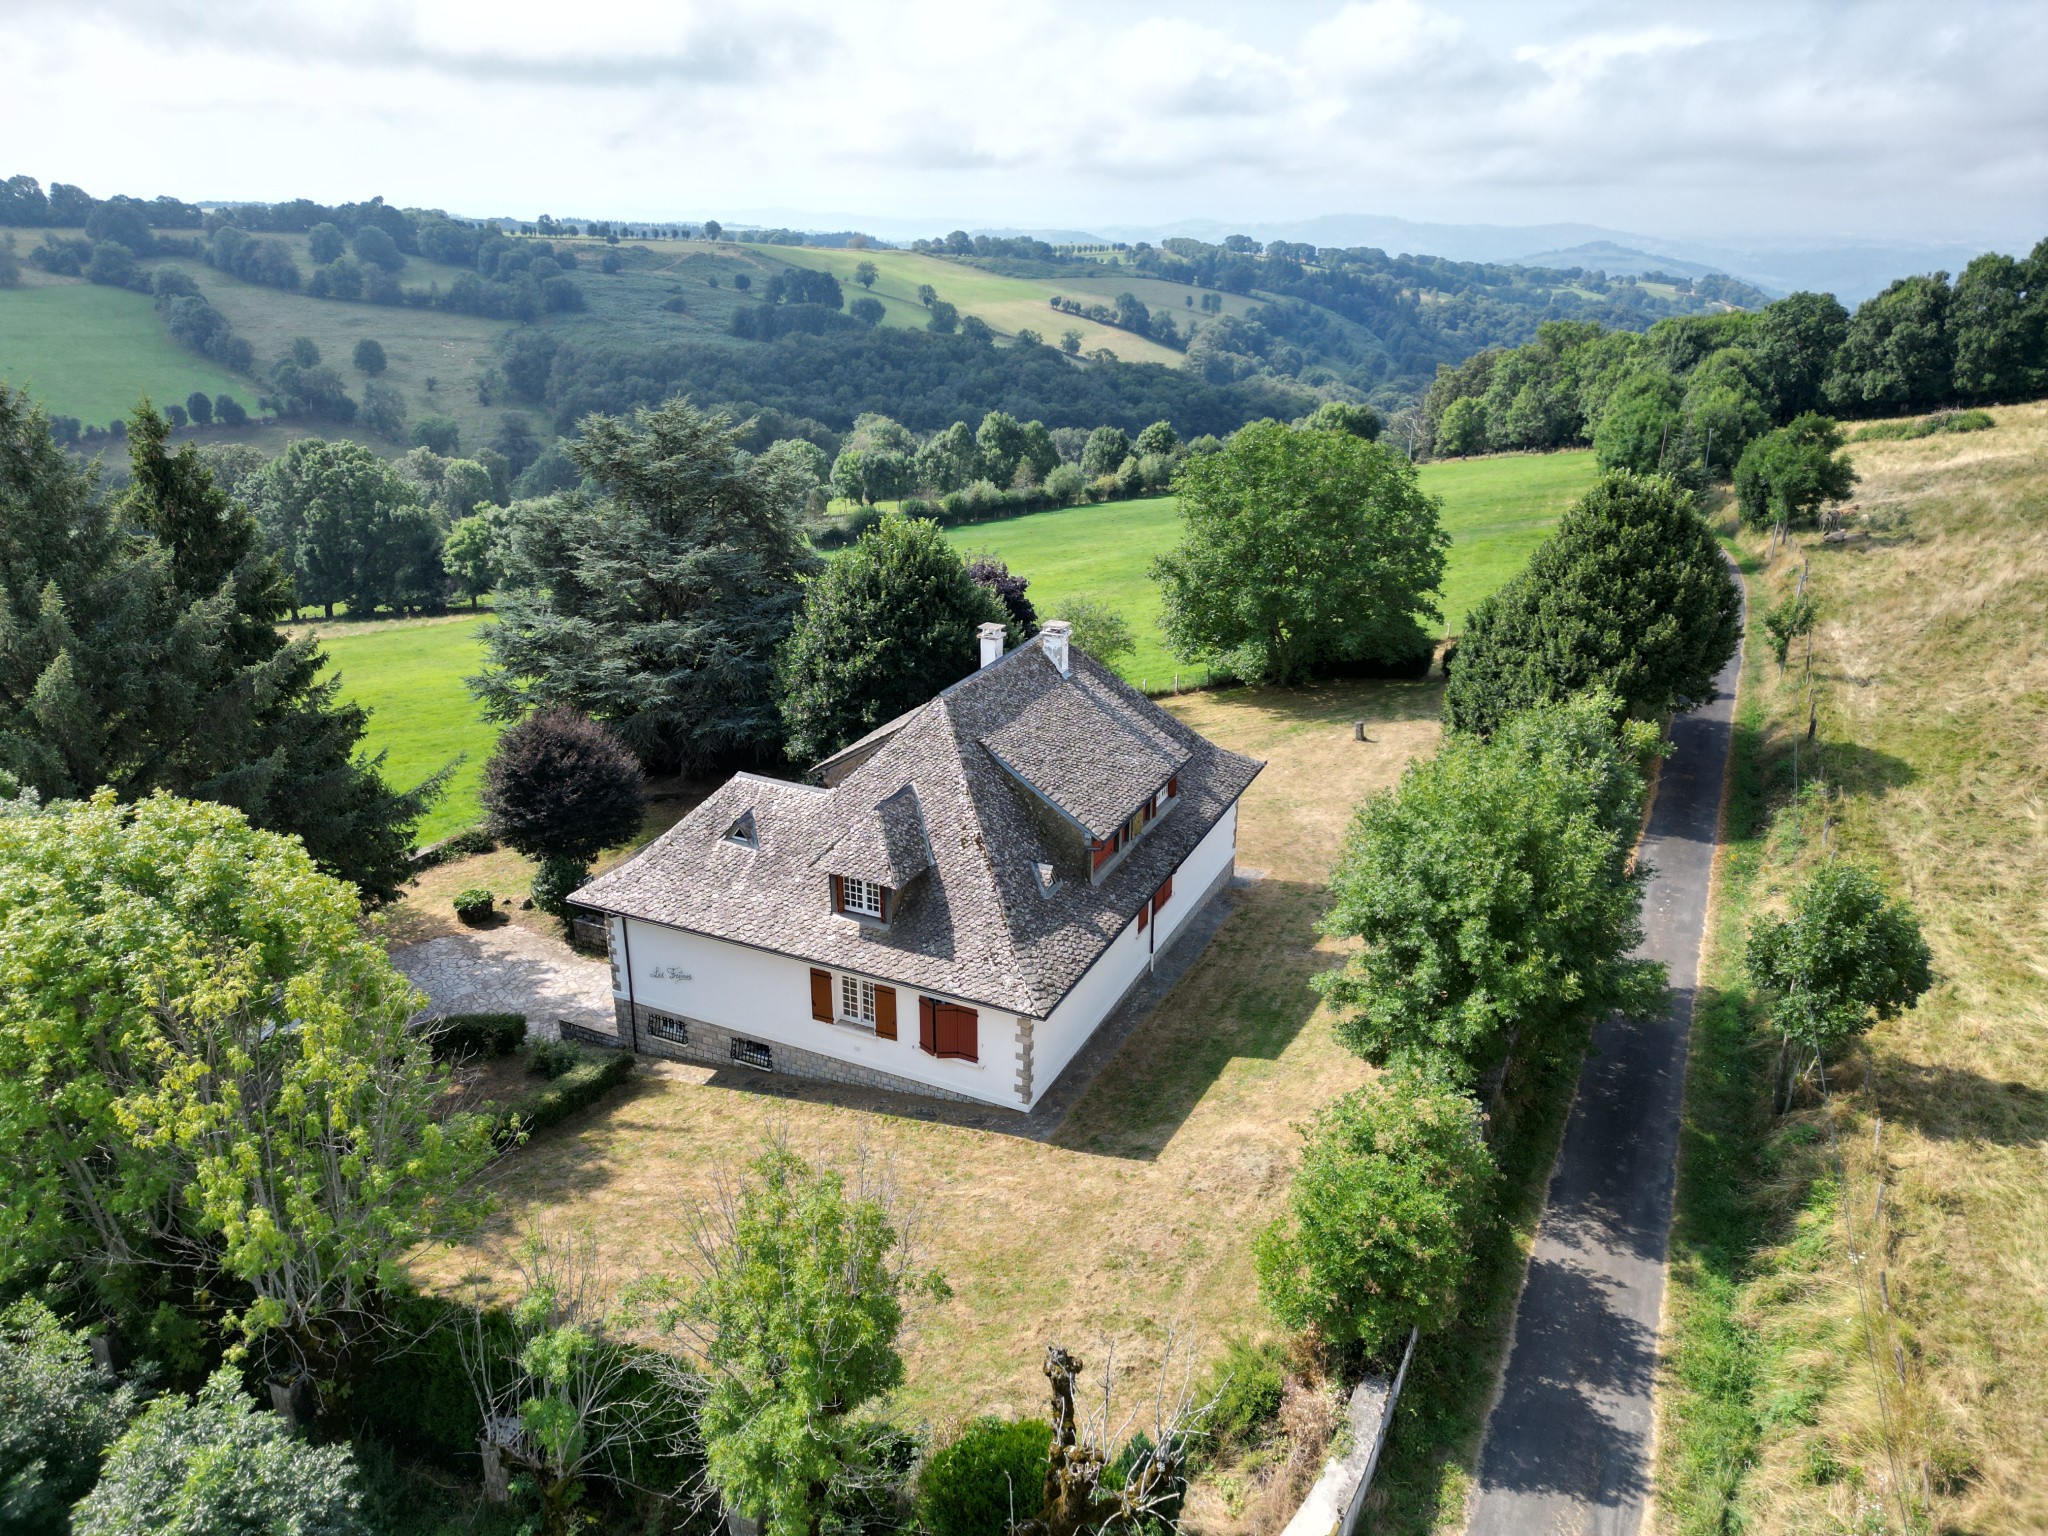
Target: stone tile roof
(975,920)
(1085,753)
(887,846)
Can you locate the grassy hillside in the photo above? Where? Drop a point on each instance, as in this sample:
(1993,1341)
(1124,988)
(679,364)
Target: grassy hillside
(1809,1392)
(1009,304)
(91,352)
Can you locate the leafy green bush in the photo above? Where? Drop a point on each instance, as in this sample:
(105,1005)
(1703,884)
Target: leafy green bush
(556,877)
(1379,1233)
(474,903)
(476,1034)
(1925,426)
(59,1411)
(552,1058)
(993,1473)
(200,1467)
(1785,476)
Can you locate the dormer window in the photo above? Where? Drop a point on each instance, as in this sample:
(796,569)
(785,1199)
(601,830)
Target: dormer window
(744,832)
(1104,851)
(855,897)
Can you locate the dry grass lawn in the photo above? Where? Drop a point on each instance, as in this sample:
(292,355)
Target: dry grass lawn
(1138,1215)
(1932,664)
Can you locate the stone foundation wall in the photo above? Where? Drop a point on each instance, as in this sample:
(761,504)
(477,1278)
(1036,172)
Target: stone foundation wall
(710,1045)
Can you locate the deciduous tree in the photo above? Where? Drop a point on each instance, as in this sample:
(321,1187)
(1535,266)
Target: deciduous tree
(1301,551)
(1844,958)
(883,628)
(1493,895)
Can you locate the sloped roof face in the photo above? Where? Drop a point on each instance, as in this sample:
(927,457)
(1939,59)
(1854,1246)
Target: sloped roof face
(1086,754)
(888,846)
(954,834)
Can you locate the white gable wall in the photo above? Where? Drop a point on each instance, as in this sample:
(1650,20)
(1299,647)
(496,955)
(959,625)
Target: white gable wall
(1081,1012)
(767,997)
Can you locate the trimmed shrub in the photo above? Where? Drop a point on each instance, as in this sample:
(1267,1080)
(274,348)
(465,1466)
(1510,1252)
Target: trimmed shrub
(593,1074)
(476,1034)
(474,903)
(552,1058)
(993,1473)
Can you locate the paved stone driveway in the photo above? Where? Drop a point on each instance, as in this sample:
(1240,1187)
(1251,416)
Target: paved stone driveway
(510,969)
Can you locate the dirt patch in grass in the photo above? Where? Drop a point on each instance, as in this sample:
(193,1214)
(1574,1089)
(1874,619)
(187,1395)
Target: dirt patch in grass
(1931,753)
(1138,1216)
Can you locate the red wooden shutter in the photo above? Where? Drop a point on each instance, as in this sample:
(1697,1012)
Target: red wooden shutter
(1173,787)
(886,894)
(1144,917)
(885,1013)
(928,1026)
(959,1032)
(1163,895)
(821,995)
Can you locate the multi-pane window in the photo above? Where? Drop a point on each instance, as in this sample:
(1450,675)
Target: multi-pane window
(860,896)
(857,1001)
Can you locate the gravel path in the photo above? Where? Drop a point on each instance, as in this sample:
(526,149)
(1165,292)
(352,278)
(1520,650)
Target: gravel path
(1568,1444)
(510,969)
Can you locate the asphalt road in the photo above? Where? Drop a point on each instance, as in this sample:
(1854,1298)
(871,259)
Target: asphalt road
(1568,1445)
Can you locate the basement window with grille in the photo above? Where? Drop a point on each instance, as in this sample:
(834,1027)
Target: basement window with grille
(752,1053)
(663,1027)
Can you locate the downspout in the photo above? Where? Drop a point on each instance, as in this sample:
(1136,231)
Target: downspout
(632,1006)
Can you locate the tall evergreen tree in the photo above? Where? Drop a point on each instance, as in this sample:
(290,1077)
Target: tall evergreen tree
(1629,593)
(655,604)
(139,650)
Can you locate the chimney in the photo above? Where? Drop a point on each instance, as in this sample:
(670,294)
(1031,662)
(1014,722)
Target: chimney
(1052,637)
(991,644)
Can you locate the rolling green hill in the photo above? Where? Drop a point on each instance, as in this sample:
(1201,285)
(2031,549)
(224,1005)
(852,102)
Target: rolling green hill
(91,352)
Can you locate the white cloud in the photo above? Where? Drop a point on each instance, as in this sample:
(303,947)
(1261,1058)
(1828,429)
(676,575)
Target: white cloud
(1752,117)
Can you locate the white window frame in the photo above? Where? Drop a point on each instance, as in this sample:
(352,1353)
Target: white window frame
(862,898)
(856,1001)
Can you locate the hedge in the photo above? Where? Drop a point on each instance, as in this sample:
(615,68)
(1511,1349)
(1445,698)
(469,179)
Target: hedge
(476,1034)
(578,1088)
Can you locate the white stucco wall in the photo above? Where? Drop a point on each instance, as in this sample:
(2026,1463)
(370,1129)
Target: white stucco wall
(768,997)
(1082,1010)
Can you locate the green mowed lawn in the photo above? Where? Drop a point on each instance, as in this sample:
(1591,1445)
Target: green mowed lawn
(1496,510)
(91,352)
(408,674)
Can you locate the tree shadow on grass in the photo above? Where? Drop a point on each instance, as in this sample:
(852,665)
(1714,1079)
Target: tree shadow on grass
(1950,1104)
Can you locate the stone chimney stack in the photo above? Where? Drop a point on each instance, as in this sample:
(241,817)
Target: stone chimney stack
(1053,636)
(991,644)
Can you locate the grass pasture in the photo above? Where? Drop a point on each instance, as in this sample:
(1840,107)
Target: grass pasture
(1136,1214)
(408,673)
(1797,1398)
(1008,304)
(92,352)
(1496,510)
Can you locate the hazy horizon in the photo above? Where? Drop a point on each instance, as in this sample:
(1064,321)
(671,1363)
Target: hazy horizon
(1801,122)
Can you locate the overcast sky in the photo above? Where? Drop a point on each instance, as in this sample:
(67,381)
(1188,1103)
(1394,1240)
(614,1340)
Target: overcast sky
(1925,120)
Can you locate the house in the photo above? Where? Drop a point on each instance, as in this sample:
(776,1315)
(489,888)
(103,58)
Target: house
(952,908)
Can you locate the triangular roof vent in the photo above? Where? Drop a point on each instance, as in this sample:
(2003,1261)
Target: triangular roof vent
(743,831)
